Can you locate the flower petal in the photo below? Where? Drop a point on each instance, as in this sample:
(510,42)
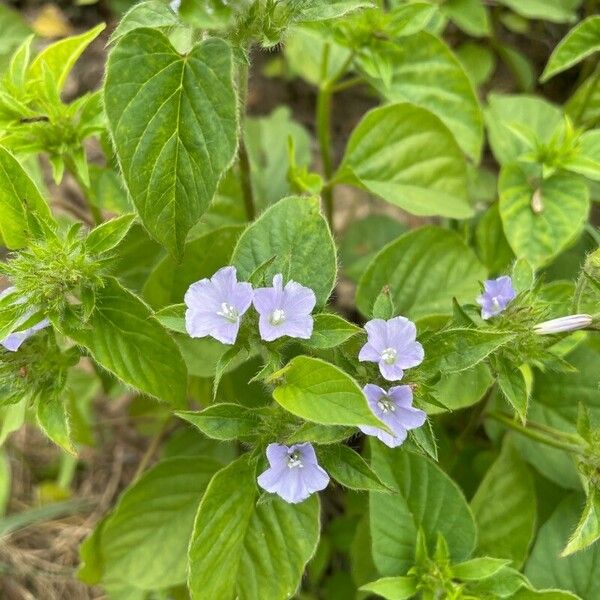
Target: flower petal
(377,334)
(297,327)
(410,355)
(391,372)
(369,353)
(277,453)
(298,300)
(400,330)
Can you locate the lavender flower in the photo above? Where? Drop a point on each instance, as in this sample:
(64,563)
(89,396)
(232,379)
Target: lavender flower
(13,341)
(392,344)
(215,305)
(294,473)
(563,324)
(496,296)
(395,409)
(284,310)
(175,5)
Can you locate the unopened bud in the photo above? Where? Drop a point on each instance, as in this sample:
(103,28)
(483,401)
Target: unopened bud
(537,206)
(563,324)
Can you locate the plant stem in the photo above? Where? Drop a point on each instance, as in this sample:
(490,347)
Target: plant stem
(324,132)
(535,435)
(243,159)
(87,192)
(152,448)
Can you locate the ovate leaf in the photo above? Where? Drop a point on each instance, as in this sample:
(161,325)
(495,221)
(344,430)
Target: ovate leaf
(123,337)
(173,120)
(424,270)
(427,498)
(478,568)
(385,155)
(424,71)
(540,230)
(144,541)
(547,569)
(588,529)
(504,506)
(320,392)
(53,419)
(349,468)
(246,550)
(150,13)
(18,196)
(224,421)
(330,330)
(581,41)
(293,238)
(513,386)
(106,236)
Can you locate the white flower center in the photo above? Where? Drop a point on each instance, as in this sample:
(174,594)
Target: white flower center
(277,317)
(385,404)
(294,460)
(389,356)
(495,302)
(228,312)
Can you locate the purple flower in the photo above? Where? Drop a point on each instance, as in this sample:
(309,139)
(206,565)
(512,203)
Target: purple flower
(294,473)
(496,296)
(395,409)
(392,344)
(13,341)
(284,310)
(215,305)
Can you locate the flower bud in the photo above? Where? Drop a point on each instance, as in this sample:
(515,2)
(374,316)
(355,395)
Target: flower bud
(563,324)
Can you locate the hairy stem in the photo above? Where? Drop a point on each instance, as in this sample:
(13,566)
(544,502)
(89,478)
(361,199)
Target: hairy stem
(243,159)
(537,436)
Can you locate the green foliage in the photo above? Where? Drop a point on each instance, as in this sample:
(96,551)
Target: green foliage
(174,131)
(394,171)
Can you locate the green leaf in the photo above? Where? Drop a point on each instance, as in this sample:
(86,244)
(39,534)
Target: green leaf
(173,120)
(246,550)
(150,13)
(18,196)
(320,392)
(587,157)
(266,140)
(224,421)
(539,230)
(478,61)
(108,235)
(455,350)
(144,541)
(392,588)
(202,257)
(330,9)
(462,389)
(513,386)
(382,157)
(363,238)
(53,419)
(478,568)
(424,269)
(557,11)
(547,569)
(58,58)
(525,594)
(427,498)
(490,242)
(504,507)
(14,31)
(172,318)
(581,41)
(294,232)
(123,338)
(383,307)
(584,105)
(470,15)
(320,434)
(427,73)
(504,112)
(349,468)
(588,529)
(329,331)
(547,406)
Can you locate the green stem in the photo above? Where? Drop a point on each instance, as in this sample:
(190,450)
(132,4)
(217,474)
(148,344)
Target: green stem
(535,435)
(68,466)
(87,192)
(243,159)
